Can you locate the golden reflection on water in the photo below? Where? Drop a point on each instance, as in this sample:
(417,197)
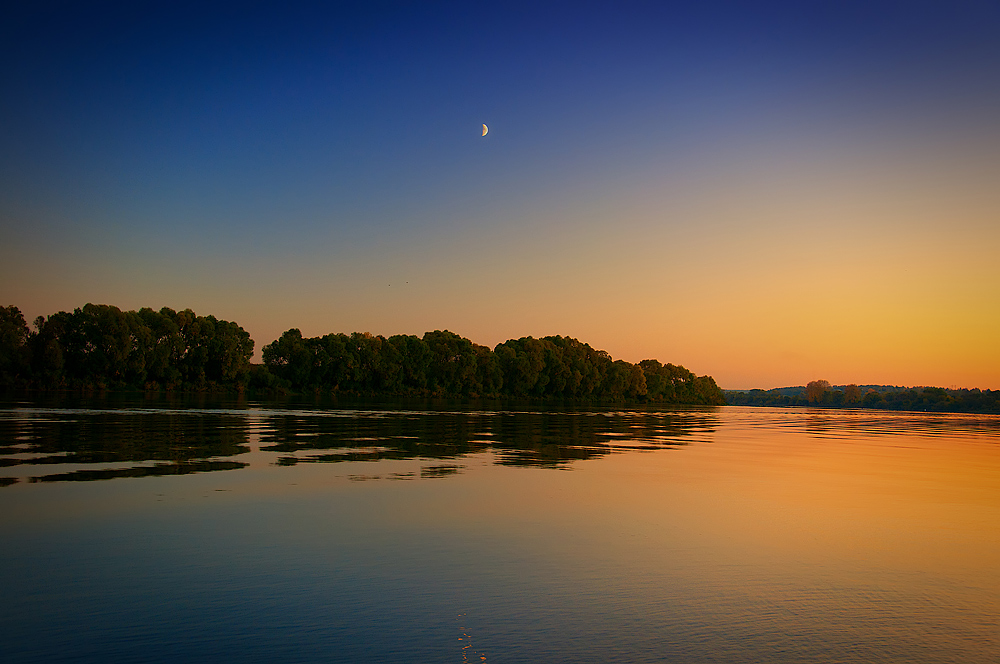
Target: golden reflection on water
(829,491)
(732,534)
(809,527)
(469,653)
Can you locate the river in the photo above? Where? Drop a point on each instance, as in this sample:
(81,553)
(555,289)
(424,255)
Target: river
(238,531)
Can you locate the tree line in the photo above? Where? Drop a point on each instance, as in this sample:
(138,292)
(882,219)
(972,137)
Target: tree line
(104,347)
(821,394)
(101,346)
(442,363)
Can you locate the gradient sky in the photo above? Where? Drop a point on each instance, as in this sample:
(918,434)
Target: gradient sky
(769,193)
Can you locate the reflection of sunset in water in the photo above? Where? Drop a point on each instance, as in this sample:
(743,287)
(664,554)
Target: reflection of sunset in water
(469,653)
(727,534)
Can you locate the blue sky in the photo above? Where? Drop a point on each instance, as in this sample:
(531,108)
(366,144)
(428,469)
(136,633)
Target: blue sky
(646,164)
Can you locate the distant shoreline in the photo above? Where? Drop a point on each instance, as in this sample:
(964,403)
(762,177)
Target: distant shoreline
(820,394)
(914,400)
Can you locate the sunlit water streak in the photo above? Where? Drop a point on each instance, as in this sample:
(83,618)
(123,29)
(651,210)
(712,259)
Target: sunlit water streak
(382,533)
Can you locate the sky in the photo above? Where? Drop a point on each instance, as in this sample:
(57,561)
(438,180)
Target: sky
(768,193)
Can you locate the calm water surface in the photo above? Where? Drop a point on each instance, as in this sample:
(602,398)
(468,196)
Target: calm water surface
(243,532)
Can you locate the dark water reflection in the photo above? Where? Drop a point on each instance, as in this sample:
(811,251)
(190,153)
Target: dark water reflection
(107,444)
(519,438)
(436,532)
(98,439)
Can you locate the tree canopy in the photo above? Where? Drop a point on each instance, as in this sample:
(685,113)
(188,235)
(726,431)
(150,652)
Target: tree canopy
(819,393)
(442,363)
(104,347)
(100,346)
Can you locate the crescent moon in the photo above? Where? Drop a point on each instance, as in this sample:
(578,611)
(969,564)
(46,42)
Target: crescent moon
(485,129)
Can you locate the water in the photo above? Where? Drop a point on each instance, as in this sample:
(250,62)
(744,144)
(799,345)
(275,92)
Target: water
(242,532)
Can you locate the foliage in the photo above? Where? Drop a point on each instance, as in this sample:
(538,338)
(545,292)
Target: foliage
(101,346)
(443,363)
(816,390)
(13,344)
(881,397)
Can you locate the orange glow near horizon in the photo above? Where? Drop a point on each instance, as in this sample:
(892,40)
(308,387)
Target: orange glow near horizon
(749,197)
(762,272)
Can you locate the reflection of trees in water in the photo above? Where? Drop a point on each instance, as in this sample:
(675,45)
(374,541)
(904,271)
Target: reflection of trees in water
(834,424)
(373,437)
(518,438)
(181,443)
(558,438)
(147,443)
(157,470)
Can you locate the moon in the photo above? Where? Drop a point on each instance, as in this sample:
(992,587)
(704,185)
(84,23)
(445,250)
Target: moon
(485,129)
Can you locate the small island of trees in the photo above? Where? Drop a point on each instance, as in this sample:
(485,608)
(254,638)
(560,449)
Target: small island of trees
(102,347)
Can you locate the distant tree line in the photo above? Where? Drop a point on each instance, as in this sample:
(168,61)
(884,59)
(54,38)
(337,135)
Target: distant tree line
(100,346)
(883,397)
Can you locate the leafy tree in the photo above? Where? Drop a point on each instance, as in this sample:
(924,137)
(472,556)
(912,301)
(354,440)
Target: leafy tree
(13,344)
(229,353)
(816,389)
(415,361)
(290,358)
(489,375)
(521,363)
(453,363)
(872,399)
(164,345)
(852,394)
